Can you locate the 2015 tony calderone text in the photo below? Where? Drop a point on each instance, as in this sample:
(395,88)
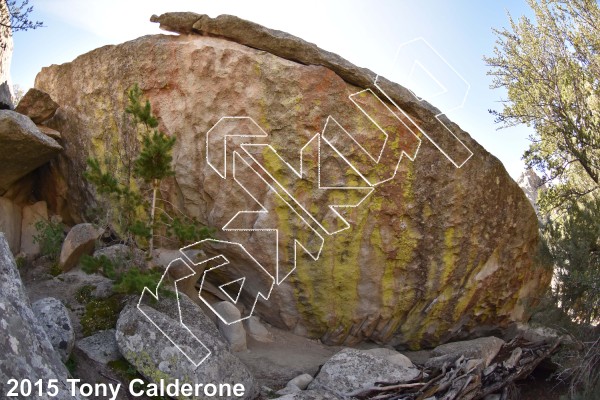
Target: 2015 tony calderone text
(137,387)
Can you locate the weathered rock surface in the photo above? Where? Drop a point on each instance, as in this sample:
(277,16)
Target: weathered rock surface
(155,357)
(26,350)
(257,331)
(101,347)
(49,132)
(309,395)
(79,241)
(437,253)
(32,213)
(54,318)
(392,356)
(351,370)
(10,223)
(37,105)
(485,348)
(235,334)
(23,147)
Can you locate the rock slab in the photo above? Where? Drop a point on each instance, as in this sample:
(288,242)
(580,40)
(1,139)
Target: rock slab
(485,348)
(54,318)
(23,147)
(101,347)
(10,223)
(26,350)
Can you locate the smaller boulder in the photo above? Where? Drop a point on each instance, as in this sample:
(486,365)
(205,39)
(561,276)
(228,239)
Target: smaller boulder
(257,331)
(351,371)
(37,105)
(301,381)
(101,347)
(122,256)
(79,241)
(537,333)
(235,334)
(485,348)
(54,318)
(23,148)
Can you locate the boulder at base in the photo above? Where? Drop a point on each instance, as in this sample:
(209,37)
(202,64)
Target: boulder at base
(436,253)
(156,357)
(26,350)
(350,371)
(80,240)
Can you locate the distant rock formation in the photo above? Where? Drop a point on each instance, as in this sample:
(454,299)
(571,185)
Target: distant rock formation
(436,253)
(531,184)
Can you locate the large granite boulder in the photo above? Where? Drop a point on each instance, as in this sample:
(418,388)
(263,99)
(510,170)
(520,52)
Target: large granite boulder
(434,254)
(27,353)
(23,147)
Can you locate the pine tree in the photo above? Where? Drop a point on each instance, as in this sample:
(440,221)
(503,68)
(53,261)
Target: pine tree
(153,165)
(122,186)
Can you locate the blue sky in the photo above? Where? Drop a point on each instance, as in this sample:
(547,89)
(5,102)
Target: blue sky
(367,33)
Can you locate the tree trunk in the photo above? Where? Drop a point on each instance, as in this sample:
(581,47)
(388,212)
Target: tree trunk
(155,185)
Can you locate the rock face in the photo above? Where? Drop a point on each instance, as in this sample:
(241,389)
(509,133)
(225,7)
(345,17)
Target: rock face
(26,350)
(434,254)
(23,147)
(155,357)
(10,223)
(32,213)
(80,240)
(54,318)
(37,105)
(101,347)
(235,334)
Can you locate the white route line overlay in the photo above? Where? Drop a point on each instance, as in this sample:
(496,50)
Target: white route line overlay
(222,264)
(420,99)
(223,174)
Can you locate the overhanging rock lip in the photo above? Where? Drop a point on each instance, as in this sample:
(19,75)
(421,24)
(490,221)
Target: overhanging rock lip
(290,47)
